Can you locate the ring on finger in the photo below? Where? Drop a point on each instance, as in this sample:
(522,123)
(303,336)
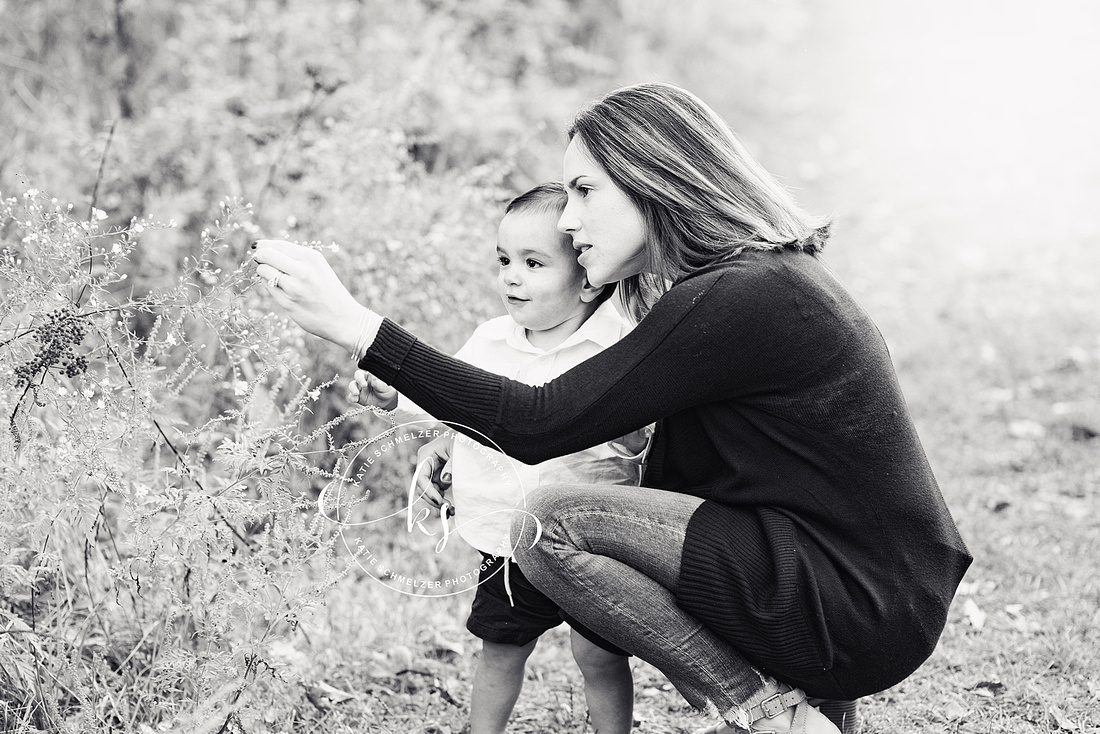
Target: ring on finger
(274,282)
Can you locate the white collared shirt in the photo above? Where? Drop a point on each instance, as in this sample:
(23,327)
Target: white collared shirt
(487,486)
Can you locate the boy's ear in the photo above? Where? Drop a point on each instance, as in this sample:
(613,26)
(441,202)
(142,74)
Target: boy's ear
(591,292)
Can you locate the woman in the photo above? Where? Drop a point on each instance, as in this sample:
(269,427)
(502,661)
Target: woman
(794,540)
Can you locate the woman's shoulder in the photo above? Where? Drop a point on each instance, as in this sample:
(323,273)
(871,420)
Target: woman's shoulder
(751,266)
(767,284)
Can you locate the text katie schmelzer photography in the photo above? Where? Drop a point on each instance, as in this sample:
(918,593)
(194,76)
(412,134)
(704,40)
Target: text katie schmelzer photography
(377,543)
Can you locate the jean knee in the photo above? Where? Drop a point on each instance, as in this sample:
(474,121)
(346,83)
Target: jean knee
(534,518)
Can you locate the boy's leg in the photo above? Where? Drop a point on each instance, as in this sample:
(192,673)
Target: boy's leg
(508,615)
(608,686)
(497,683)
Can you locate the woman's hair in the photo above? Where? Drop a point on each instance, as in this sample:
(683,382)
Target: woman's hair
(702,195)
(549,198)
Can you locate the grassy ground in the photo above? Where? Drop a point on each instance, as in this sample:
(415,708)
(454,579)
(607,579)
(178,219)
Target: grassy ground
(1002,373)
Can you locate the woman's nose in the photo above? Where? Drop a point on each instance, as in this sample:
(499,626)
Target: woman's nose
(567,222)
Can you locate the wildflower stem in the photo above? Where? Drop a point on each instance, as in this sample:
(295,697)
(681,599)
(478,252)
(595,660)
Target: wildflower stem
(95,200)
(172,447)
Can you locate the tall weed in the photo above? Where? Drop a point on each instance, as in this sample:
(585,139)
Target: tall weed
(158,473)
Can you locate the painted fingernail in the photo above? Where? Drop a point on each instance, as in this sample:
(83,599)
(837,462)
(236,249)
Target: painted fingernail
(253,246)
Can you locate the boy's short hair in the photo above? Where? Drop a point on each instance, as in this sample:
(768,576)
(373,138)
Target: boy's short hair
(545,198)
(549,198)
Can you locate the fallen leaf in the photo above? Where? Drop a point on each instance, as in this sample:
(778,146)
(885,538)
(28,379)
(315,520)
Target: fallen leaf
(1061,719)
(324,696)
(955,711)
(987,688)
(400,656)
(976,588)
(1080,432)
(447,653)
(974,613)
(1026,428)
(1018,621)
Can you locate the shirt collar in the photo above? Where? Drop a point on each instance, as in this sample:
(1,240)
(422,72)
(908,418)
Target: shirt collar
(604,327)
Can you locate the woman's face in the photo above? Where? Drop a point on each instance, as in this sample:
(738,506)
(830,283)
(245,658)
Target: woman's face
(607,228)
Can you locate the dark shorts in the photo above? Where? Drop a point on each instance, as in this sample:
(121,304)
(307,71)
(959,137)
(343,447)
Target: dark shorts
(494,619)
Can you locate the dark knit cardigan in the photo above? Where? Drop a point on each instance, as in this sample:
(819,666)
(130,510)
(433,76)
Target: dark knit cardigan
(825,552)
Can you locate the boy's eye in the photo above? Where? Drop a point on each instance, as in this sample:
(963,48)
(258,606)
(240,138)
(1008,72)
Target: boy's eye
(502,260)
(533,263)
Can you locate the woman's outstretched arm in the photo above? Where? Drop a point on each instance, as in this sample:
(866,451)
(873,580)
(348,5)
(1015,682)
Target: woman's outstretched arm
(632,384)
(705,341)
(760,325)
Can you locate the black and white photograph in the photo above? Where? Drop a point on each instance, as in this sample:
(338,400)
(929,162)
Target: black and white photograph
(538,366)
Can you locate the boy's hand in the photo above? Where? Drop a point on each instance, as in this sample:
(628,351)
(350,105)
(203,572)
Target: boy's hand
(434,479)
(366,389)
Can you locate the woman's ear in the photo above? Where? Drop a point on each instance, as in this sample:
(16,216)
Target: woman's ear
(589,292)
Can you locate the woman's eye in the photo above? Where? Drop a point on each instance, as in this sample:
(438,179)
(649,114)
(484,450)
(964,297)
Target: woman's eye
(583,190)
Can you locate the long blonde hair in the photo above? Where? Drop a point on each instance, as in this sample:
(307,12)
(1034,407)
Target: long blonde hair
(703,196)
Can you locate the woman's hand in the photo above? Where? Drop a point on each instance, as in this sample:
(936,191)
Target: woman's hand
(302,282)
(366,389)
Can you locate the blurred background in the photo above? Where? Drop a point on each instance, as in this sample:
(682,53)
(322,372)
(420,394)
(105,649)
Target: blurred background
(952,141)
(950,133)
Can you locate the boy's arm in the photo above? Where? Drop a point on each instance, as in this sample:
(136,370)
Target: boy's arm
(366,389)
(433,471)
(433,460)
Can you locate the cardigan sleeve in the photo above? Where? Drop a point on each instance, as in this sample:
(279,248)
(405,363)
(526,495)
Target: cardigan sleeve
(709,338)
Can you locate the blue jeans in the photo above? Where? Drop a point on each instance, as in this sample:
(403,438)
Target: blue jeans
(610,557)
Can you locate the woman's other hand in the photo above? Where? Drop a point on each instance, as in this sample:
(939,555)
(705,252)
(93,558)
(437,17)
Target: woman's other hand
(366,389)
(302,282)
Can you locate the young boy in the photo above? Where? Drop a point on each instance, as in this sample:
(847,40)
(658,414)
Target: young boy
(555,321)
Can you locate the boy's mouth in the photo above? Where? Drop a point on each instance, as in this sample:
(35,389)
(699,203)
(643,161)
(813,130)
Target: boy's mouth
(515,300)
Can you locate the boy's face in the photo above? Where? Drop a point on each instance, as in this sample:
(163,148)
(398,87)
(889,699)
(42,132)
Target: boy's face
(539,279)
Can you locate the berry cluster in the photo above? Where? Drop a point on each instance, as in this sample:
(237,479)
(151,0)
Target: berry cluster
(62,331)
